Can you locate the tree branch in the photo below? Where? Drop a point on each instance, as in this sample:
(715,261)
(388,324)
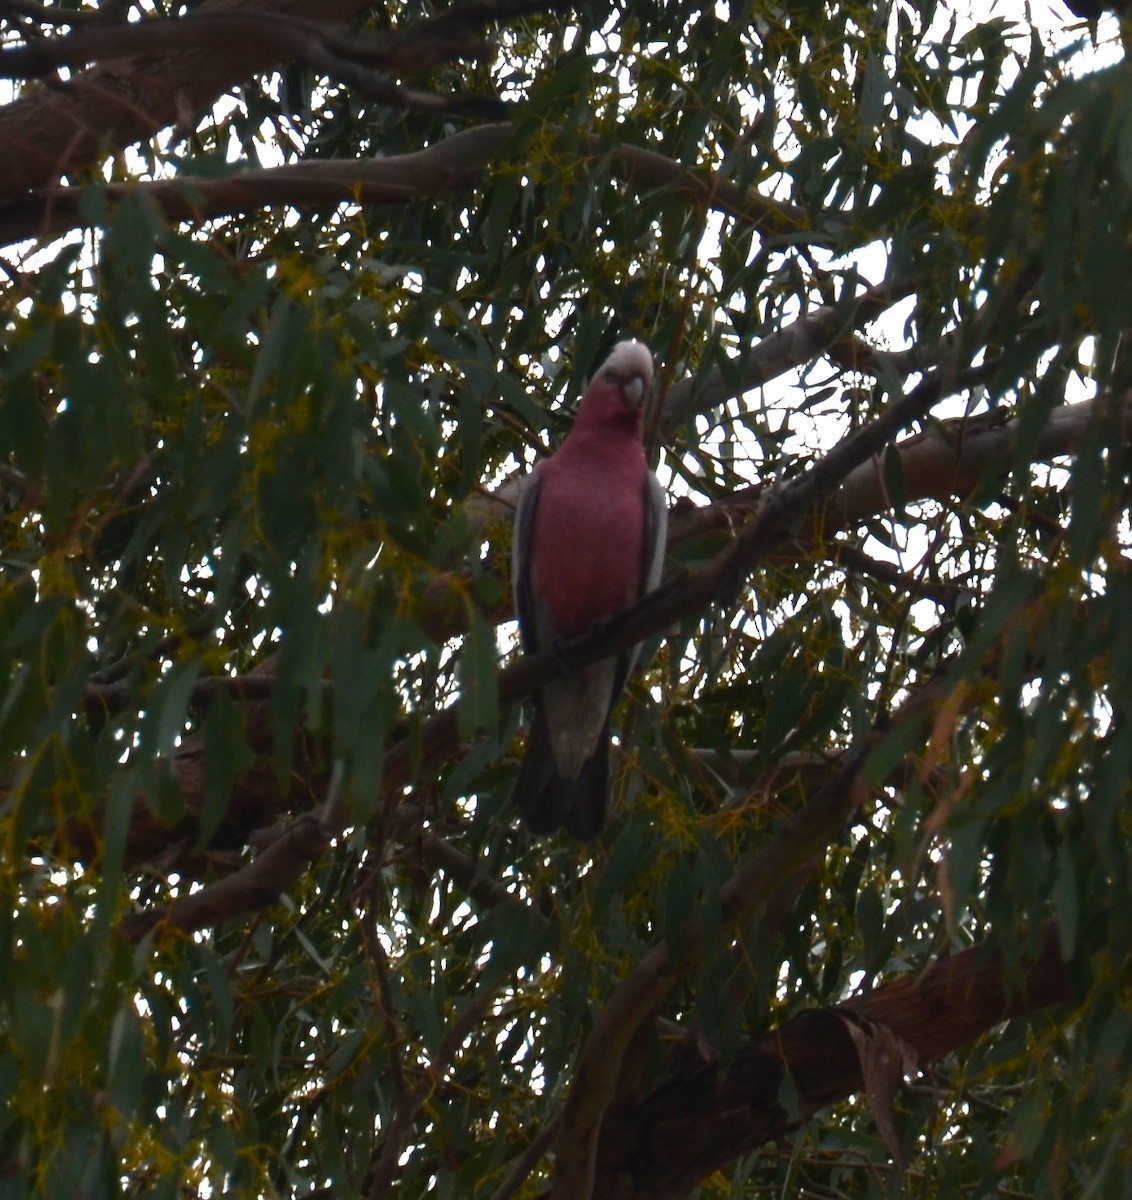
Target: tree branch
(785,505)
(947,460)
(254,886)
(318,44)
(59,131)
(449,166)
(799,343)
(702,1116)
(257,884)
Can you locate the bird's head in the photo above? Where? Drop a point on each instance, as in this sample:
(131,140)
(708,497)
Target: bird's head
(628,369)
(621,386)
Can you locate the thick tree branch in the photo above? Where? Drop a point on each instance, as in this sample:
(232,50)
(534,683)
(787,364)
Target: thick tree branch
(177,67)
(280,35)
(703,1116)
(58,131)
(446,167)
(946,461)
(951,459)
(255,886)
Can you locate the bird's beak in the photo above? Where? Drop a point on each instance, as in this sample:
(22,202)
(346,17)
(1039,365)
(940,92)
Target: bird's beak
(633,392)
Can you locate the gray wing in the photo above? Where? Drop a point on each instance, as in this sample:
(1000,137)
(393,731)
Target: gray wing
(656,532)
(656,539)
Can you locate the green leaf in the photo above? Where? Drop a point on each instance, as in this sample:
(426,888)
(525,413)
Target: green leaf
(168,707)
(479,693)
(1066,903)
(226,757)
(126,1065)
(679,901)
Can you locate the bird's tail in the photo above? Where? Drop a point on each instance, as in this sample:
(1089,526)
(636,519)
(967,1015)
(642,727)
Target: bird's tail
(548,801)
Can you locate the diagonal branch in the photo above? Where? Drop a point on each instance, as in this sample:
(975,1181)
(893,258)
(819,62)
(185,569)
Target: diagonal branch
(947,460)
(783,506)
(797,344)
(701,1116)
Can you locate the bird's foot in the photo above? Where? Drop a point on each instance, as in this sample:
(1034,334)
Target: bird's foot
(560,648)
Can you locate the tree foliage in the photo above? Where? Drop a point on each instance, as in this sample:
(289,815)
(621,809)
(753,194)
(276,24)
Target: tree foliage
(292,296)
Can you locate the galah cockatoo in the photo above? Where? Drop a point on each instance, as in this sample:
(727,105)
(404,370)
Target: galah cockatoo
(589,541)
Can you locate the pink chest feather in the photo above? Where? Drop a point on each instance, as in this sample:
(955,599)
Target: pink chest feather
(589,533)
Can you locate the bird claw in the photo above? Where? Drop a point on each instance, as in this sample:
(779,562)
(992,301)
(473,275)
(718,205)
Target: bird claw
(559,647)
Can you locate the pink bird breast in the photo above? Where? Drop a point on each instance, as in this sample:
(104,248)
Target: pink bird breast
(587,555)
(589,531)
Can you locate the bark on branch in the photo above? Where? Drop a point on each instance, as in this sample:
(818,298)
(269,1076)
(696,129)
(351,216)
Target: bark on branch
(701,1117)
(445,168)
(57,131)
(282,36)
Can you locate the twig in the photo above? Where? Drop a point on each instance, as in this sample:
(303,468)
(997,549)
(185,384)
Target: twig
(385,1167)
(856,560)
(380,962)
(528,1160)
